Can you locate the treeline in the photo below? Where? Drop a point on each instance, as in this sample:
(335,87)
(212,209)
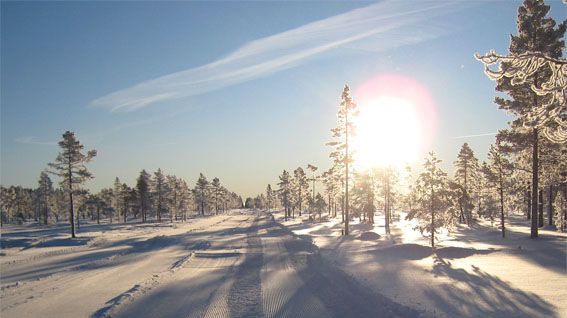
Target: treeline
(488,189)
(155,196)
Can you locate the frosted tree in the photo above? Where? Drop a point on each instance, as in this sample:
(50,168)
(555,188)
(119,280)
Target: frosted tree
(553,172)
(313,178)
(70,167)
(160,192)
(285,192)
(105,196)
(432,201)
(533,75)
(99,203)
(7,203)
(341,155)
(216,189)
(185,198)
(466,172)
(128,196)
(363,196)
(386,181)
(44,191)
(117,197)
(332,187)
(143,190)
(173,196)
(301,188)
(497,172)
(201,192)
(561,209)
(270,197)
(318,205)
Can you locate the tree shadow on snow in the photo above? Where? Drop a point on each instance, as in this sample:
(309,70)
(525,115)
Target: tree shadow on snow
(480,294)
(547,250)
(417,252)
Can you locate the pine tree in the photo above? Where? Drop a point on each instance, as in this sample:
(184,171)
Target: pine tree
(202,193)
(432,201)
(44,190)
(143,190)
(172,196)
(301,188)
(387,181)
(466,172)
(70,166)
(117,198)
(341,155)
(185,198)
(330,190)
(126,198)
(284,191)
(216,189)
(6,204)
(498,169)
(363,196)
(160,192)
(313,178)
(270,197)
(536,33)
(319,204)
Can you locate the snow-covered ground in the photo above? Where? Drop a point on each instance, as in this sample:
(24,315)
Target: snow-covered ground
(242,264)
(473,272)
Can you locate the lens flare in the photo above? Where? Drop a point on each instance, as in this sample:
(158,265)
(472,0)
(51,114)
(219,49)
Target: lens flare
(395,123)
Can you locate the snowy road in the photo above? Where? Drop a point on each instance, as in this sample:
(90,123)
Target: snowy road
(238,265)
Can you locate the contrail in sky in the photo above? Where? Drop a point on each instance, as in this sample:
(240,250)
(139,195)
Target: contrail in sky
(384,25)
(478,135)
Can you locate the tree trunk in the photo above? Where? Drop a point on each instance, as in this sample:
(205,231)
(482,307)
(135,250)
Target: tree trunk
(540,209)
(346,171)
(502,209)
(71,212)
(550,206)
(535,164)
(387,207)
(300,200)
(529,199)
(432,220)
(46,215)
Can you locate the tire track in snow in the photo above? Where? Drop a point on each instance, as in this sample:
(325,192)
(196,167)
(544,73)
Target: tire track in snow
(285,294)
(197,265)
(245,295)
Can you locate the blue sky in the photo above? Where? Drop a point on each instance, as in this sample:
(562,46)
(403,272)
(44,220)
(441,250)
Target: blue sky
(237,90)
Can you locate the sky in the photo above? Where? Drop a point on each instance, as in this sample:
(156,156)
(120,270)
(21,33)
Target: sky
(235,90)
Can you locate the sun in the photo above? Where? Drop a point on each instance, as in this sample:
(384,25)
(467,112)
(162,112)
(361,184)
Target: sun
(395,124)
(387,133)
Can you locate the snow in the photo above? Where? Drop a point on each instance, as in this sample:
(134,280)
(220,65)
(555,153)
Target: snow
(473,272)
(242,264)
(255,264)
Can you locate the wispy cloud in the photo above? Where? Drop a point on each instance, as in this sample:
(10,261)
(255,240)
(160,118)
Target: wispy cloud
(31,140)
(390,23)
(477,135)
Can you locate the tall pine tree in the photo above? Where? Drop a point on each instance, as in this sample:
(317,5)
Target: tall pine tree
(70,167)
(536,33)
(341,154)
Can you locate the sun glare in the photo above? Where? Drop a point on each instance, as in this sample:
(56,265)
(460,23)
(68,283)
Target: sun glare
(387,133)
(394,123)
